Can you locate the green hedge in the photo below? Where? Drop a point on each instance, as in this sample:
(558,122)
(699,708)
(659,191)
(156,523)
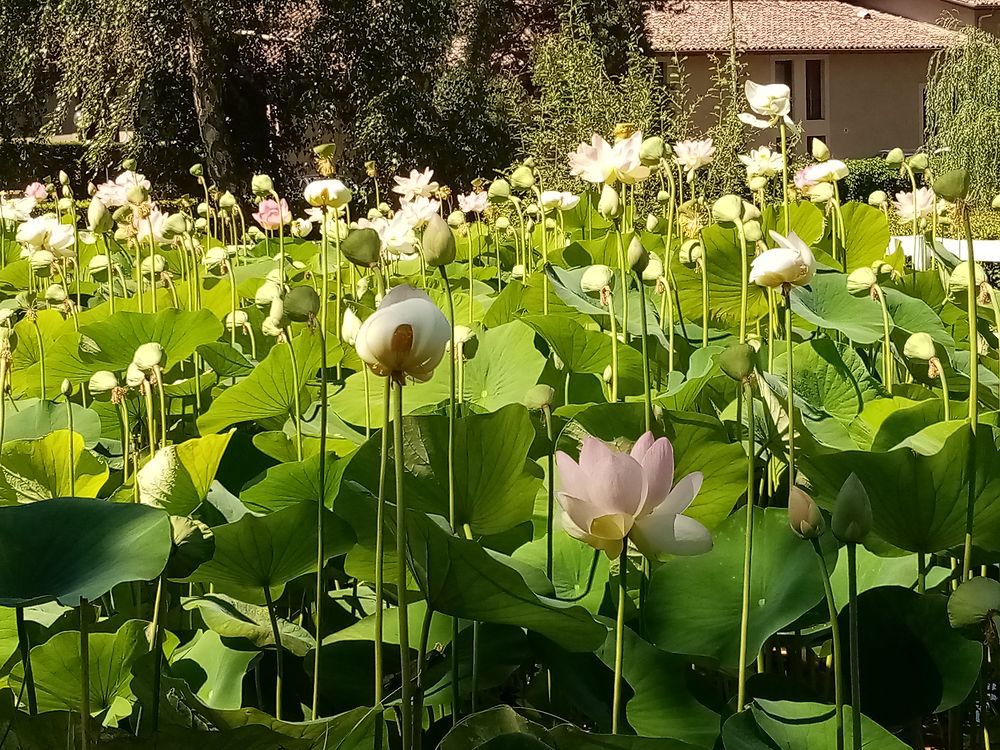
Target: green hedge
(868,175)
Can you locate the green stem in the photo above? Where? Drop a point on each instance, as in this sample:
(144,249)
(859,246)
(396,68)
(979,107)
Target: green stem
(406,706)
(157,649)
(944,390)
(973,392)
(746,399)
(745,275)
(614,347)
(886,340)
(647,392)
(340,286)
(84,677)
(72,457)
(852,585)
(550,486)
(921,573)
(296,396)
(704,294)
(321,500)
(41,356)
(791,394)
(784,174)
(24,646)
(279,651)
(838,671)
(619,636)
(418,698)
(380,545)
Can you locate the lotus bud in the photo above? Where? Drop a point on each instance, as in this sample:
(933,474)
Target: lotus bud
(158,478)
(149,356)
(753,231)
(55,294)
(919,346)
(757,182)
(532,210)
(750,212)
(895,157)
(236,320)
(821,193)
(350,327)
(136,195)
(99,220)
(882,269)
(99,267)
(637,256)
(860,281)
(651,151)
(502,224)
(878,198)
(738,361)
(202,209)
(201,224)
(362,247)
(153,264)
(134,376)
(918,162)
(517,272)
(522,178)
(820,151)
(196,170)
(499,191)
(456,219)
(102,381)
(65,204)
(438,242)
(41,263)
(852,512)
(609,206)
(953,186)
(690,252)
(227,201)
(959,280)
(175,225)
(300,228)
(596,278)
(540,396)
(261,185)
(804,516)
(66,388)
(662,197)
(652,221)
(654,270)
(91,189)
(63,178)
(728,209)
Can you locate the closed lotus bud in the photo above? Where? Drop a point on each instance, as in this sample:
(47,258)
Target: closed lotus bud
(804,516)
(607,374)
(202,209)
(66,388)
(65,204)
(503,224)
(153,264)
(437,244)
(882,269)
(227,201)
(456,219)
(895,157)
(738,361)
(662,197)
(953,186)
(860,281)
(728,209)
(55,294)
(690,252)
(821,193)
(237,319)
(753,231)
(301,304)
(540,396)
(522,178)
(637,256)
(595,278)
(300,228)
(158,478)
(517,272)
(99,220)
(959,280)
(757,182)
(91,189)
(136,195)
(128,165)
(532,210)
(820,151)
(175,225)
(41,263)
(918,162)
(651,151)
(196,170)
(750,212)
(499,191)
(102,381)
(878,198)
(99,266)
(149,356)
(201,224)
(362,247)
(852,512)
(261,185)
(919,346)
(350,327)
(63,178)
(134,376)
(609,206)
(652,221)
(654,269)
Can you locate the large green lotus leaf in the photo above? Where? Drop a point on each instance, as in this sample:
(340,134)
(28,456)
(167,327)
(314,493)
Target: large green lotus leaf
(269,391)
(440,631)
(799,726)
(827,303)
(911,315)
(72,548)
(875,571)
(290,484)
(681,394)
(251,737)
(830,379)
(271,550)
(57,669)
(910,418)
(919,494)
(226,361)
(33,418)
(495,483)
(804,218)
(693,604)
(662,704)
(50,325)
(214,668)
(583,350)
(912,662)
(579,572)
(866,234)
(179,333)
(39,469)
(458,577)
(231,618)
(725,281)
(700,444)
(506,365)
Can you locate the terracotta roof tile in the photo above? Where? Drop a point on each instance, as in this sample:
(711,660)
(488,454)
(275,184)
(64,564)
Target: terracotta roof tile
(785,26)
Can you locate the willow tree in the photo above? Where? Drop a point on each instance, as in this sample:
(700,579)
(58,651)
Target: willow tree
(963,108)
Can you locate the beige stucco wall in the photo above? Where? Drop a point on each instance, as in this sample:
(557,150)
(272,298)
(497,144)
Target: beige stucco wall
(874,101)
(921,10)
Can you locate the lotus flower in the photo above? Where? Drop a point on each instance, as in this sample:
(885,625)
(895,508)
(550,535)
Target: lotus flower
(152,228)
(915,206)
(405,336)
(789,264)
(396,234)
(16,210)
(824,171)
(115,193)
(601,163)
(762,162)
(47,233)
(37,191)
(772,101)
(271,215)
(473,203)
(418,184)
(332,193)
(693,155)
(609,498)
(550,199)
(418,211)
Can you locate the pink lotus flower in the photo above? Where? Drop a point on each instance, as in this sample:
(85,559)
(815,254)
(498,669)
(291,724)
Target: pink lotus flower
(115,193)
(609,498)
(270,215)
(473,203)
(37,191)
(919,205)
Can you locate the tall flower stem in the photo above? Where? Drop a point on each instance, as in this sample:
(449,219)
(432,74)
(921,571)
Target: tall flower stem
(340,287)
(973,391)
(380,546)
(41,355)
(479,240)
(913,188)
(791,392)
(406,703)
(944,388)
(744,399)
(647,392)
(745,275)
(704,294)
(24,646)
(550,486)
(886,340)
(296,395)
(619,637)
(84,677)
(614,346)
(157,648)
(279,651)
(838,670)
(545,260)
(623,264)
(852,587)
(784,174)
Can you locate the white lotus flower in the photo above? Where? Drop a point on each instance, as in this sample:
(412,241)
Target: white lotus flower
(102,381)
(772,101)
(419,211)
(115,193)
(152,227)
(405,336)
(763,162)
(148,356)
(550,199)
(15,211)
(266,292)
(789,264)
(215,258)
(332,193)
(47,233)
(922,207)
(568,201)
(237,319)
(473,203)
(396,234)
(418,184)
(601,163)
(693,155)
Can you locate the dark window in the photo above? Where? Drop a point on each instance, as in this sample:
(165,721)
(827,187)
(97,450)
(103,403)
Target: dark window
(814,90)
(784,72)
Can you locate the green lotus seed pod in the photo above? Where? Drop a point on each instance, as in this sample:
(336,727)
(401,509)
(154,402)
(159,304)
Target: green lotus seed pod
(920,346)
(895,157)
(860,281)
(522,178)
(651,151)
(953,186)
(728,209)
(852,512)
(437,244)
(878,198)
(261,185)
(804,516)
(540,396)
(821,193)
(974,602)
(499,191)
(302,304)
(918,162)
(738,361)
(362,247)
(196,170)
